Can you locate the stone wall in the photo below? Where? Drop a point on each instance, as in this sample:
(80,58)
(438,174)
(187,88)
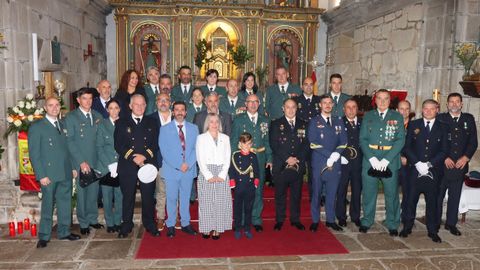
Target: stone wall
(75,24)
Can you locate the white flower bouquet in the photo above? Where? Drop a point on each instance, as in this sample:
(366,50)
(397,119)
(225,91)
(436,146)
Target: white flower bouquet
(22,115)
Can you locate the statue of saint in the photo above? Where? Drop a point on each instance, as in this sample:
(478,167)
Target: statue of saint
(284,56)
(151,54)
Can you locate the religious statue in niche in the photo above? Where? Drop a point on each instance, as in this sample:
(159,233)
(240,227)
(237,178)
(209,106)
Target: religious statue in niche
(283,54)
(55,51)
(150,52)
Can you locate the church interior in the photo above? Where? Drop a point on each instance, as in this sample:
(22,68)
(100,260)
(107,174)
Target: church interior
(56,47)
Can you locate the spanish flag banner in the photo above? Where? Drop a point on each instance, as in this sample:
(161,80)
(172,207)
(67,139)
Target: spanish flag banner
(27,176)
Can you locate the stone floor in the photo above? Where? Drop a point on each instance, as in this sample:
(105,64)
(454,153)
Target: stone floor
(375,250)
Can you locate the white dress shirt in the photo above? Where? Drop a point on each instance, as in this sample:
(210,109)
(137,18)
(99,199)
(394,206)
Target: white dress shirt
(209,152)
(253,115)
(168,120)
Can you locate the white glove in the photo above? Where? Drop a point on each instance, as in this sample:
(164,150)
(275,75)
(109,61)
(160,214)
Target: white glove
(330,162)
(421,167)
(344,161)
(113,169)
(383,165)
(335,156)
(374,162)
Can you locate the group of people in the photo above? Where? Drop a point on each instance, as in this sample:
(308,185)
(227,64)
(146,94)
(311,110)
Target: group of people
(206,141)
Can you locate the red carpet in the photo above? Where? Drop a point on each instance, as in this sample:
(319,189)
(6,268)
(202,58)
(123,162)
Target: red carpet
(289,241)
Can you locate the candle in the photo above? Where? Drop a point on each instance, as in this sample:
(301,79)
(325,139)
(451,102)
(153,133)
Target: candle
(33,229)
(20,227)
(35,57)
(26,224)
(11,227)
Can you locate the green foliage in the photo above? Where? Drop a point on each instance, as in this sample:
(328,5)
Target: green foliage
(262,73)
(201,57)
(240,56)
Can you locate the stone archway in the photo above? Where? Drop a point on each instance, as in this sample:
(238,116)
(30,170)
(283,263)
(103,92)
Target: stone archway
(285,45)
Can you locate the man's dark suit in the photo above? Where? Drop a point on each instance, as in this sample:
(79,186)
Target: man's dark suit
(287,142)
(424,146)
(351,172)
(98,106)
(131,139)
(225,118)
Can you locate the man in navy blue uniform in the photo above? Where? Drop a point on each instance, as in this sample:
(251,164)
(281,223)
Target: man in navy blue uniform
(463,144)
(351,161)
(328,140)
(289,150)
(404,108)
(425,148)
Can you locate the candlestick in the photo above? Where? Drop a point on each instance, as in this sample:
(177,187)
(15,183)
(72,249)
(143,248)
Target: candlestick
(436,95)
(33,230)
(20,227)
(26,224)
(11,227)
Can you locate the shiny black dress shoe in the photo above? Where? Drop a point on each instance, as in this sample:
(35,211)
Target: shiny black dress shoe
(154,233)
(170,232)
(122,235)
(97,226)
(111,229)
(314,227)
(205,236)
(84,231)
(117,228)
(258,228)
(363,229)
(405,233)
(453,230)
(298,225)
(71,237)
(393,232)
(334,226)
(189,230)
(435,238)
(42,243)
(342,223)
(278,226)
(216,237)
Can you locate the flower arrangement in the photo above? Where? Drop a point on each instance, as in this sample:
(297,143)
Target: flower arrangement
(467,53)
(21,116)
(240,55)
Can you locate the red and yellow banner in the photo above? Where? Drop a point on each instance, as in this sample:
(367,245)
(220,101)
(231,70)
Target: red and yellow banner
(27,176)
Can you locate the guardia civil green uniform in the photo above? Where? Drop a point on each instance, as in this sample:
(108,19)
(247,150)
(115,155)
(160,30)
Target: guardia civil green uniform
(261,147)
(107,155)
(81,141)
(381,138)
(233,110)
(221,91)
(49,155)
(274,99)
(151,99)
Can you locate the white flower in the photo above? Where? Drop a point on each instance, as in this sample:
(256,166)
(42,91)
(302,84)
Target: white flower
(30,118)
(17,123)
(28,106)
(9,119)
(37,112)
(21,114)
(29,96)
(15,109)
(34,103)
(21,104)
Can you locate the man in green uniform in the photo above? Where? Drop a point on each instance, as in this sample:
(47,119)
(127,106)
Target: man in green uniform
(183,90)
(382,137)
(232,103)
(337,95)
(257,125)
(152,89)
(51,162)
(278,92)
(211,86)
(81,125)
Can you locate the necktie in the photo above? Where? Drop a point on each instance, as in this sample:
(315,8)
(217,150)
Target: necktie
(138,120)
(308,101)
(184,89)
(292,124)
(181,135)
(197,108)
(249,92)
(283,89)
(253,120)
(381,115)
(89,119)
(156,90)
(427,127)
(335,98)
(233,104)
(352,123)
(211,89)
(57,125)
(455,119)
(328,122)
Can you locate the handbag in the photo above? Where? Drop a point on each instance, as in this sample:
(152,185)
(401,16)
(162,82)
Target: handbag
(379,174)
(86,179)
(108,180)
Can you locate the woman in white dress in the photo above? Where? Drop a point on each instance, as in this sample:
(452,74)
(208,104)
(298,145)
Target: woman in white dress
(214,197)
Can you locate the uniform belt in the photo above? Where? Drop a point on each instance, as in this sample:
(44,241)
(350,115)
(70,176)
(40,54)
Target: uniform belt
(258,150)
(380,147)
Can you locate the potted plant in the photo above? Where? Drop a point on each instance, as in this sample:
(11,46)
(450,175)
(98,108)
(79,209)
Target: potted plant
(467,53)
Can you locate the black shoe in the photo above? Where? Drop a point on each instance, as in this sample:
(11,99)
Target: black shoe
(100,204)
(342,223)
(154,233)
(122,235)
(357,223)
(278,226)
(216,237)
(334,226)
(205,236)
(405,233)
(42,243)
(298,225)
(453,230)
(97,226)
(258,228)
(393,232)
(111,229)
(314,227)
(435,238)
(189,230)
(363,229)
(84,231)
(71,237)
(170,232)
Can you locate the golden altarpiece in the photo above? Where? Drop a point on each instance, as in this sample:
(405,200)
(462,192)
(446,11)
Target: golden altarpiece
(164,34)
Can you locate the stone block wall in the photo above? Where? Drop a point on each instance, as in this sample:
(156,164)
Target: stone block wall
(75,24)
